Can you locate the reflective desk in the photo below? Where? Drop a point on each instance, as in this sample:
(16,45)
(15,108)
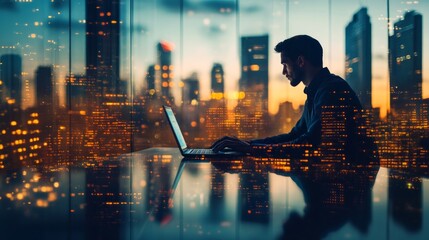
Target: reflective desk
(156,194)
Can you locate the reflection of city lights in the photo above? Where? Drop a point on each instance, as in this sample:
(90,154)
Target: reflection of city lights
(19,196)
(9,195)
(42,203)
(241,95)
(254,67)
(217,95)
(36,177)
(52,197)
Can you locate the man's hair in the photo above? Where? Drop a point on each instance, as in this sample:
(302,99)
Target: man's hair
(303,45)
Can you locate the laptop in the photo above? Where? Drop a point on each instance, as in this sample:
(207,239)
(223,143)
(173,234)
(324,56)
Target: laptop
(190,152)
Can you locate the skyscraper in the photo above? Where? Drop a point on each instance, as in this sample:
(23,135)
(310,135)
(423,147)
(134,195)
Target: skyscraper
(102,46)
(44,86)
(11,77)
(191,88)
(190,106)
(254,66)
(358,56)
(406,67)
(217,79)
(252,109)
(165,67)
(150,80)
(75,92)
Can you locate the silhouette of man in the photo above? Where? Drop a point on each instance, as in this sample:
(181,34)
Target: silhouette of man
(301,57)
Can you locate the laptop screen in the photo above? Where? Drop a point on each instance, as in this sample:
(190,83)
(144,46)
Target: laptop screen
(175,126)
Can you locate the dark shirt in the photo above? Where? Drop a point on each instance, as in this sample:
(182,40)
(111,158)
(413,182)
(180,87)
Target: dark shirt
(327,93)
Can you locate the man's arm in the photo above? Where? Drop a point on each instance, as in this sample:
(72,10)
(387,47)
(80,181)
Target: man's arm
(300,136)
(297,130)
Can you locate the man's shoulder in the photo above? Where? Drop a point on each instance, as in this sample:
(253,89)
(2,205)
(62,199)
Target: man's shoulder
(335,90)
(334,83)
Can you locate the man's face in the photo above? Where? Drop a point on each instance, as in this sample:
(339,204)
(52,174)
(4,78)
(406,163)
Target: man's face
(292,70)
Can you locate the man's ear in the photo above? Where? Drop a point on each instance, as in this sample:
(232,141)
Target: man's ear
(300,61)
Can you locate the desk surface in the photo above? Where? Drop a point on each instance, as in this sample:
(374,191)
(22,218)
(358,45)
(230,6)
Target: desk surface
(155,194)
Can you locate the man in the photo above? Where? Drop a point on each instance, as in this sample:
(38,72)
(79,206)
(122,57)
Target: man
(327,95)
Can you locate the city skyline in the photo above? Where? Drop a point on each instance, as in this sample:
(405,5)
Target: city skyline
(102,118)
(218,43)
(86,149)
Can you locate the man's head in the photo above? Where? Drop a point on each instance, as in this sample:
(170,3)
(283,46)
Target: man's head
(299,56)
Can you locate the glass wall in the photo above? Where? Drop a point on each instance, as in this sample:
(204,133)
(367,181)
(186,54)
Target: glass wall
(83,82)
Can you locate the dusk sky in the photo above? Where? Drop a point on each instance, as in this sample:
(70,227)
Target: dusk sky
(210,33)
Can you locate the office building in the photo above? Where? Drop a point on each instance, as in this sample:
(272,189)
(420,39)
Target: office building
(406,67)
(358,56)
(44,86)
(252,109)
(150,81)
(165,68)
(11,77)
(217,81)
(254,66)
(102,47)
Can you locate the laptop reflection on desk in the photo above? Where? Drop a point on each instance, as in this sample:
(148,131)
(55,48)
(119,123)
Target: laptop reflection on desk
(190,152)
(177,179)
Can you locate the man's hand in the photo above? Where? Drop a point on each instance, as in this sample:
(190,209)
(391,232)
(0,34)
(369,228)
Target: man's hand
(233,143)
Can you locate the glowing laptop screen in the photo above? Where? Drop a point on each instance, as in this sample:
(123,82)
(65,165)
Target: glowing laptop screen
(175,126)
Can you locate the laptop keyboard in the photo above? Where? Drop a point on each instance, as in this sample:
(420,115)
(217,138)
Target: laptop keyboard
(201,151)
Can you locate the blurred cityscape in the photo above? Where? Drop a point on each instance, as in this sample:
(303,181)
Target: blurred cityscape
(103,118)
(85,143)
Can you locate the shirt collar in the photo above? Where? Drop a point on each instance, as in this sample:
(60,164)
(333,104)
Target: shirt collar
(317,80)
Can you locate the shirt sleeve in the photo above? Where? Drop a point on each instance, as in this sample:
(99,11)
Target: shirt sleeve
(297,130)
(300,136)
